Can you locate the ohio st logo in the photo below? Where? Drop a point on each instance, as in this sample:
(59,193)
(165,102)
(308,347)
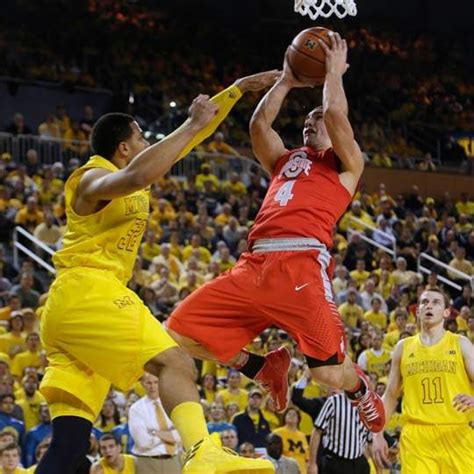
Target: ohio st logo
(297,162)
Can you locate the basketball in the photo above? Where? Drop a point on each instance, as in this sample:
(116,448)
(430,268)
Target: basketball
(306,57)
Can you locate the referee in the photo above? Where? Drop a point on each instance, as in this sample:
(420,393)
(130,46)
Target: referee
(344,438)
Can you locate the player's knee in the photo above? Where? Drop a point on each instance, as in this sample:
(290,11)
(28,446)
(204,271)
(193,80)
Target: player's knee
(175,359)
(330,375)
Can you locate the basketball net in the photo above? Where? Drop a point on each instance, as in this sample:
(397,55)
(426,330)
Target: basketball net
(325,8)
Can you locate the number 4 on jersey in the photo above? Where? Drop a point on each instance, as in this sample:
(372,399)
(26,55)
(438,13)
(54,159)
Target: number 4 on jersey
(284,194)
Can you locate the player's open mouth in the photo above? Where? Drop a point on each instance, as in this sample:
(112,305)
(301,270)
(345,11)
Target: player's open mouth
(428,313)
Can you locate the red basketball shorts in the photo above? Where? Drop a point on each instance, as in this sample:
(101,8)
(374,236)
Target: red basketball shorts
(287,289)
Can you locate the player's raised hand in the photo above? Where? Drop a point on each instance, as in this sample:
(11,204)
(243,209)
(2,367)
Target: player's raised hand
(289,78)
(381,452)
(463,402)
(202,111)
(336,54)
(257,82)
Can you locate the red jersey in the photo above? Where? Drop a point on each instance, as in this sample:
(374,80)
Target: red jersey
(305,197)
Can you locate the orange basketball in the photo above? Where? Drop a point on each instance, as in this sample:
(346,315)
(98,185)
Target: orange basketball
(306,57)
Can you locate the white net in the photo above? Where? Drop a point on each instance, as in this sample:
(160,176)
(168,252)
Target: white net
(325,8)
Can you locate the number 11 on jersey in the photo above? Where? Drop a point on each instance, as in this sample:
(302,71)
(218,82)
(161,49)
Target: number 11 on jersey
(284,194)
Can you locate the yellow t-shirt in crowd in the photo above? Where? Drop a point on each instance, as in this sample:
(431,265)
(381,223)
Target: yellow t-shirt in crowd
(295,446)
(9,342)
(378,319)
(351,313)
(23,360)
(128,468)
(241,398)
(30,409)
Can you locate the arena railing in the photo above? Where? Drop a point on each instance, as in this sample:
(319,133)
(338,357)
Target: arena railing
(37,245)
(367,235)
(51,150)
(422,268)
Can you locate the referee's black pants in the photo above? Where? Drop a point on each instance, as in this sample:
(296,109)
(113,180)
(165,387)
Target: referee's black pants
(332,464)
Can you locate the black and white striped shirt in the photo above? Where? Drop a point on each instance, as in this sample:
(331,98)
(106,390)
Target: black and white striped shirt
(343,433)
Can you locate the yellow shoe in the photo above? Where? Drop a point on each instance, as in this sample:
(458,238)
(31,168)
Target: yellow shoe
(207,458)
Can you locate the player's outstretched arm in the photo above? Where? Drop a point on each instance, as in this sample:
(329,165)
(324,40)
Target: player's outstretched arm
(226,100)
(336,113)
(151,164)
(390,400)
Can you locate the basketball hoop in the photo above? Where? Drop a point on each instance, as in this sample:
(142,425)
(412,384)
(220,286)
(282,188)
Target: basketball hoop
(326,8)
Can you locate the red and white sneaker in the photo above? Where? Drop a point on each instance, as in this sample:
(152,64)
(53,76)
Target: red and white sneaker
(273,376)
(370,405)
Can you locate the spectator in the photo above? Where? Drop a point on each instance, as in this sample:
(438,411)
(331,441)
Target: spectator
(360,274)
(295,444)
(401,276)
(32,162)
(375,315)
(88,120)
(218,145)
(109,417)
(460,263)
(49,129)
(251,424)
(282,464)
(195,244)
(30,400)
(10,459)
(247,450)
(217,422)
(234,185)
(369,294)
(344,438)
(112,460)
(40,452)
(207,176)
(7,405)
(156,441)
(30,216)
(229,439)
(233,393)
(465,299)
(13,304)
(374,360)
(392,337)
(357,213)
(350,311)
(75,139)
(28,358)
(13,341)
(208,389)
(24,290)
(48,232)
(37,436)
(18,126)
(427,163)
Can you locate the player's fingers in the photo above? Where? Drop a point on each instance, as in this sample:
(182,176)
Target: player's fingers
(344,45)
(338,40)
(332,39)
(324,46)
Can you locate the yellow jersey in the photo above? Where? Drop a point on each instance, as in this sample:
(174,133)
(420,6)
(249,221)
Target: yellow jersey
(351,313)
(128,466)
(378,319)
(432,377)
(11,344)
(109,238)
(31,408)
(23,360)
(376,363)
(240,398)
(295,446)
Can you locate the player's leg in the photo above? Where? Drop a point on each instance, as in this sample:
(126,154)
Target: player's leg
(310,315)
(113,317)
(72,417)
(419,450)
(455,445)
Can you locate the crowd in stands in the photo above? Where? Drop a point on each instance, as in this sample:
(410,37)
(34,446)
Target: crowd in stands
(197,229)
(406,90)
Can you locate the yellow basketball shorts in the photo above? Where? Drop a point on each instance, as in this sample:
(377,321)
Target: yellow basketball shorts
(437,449)
(96,332)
